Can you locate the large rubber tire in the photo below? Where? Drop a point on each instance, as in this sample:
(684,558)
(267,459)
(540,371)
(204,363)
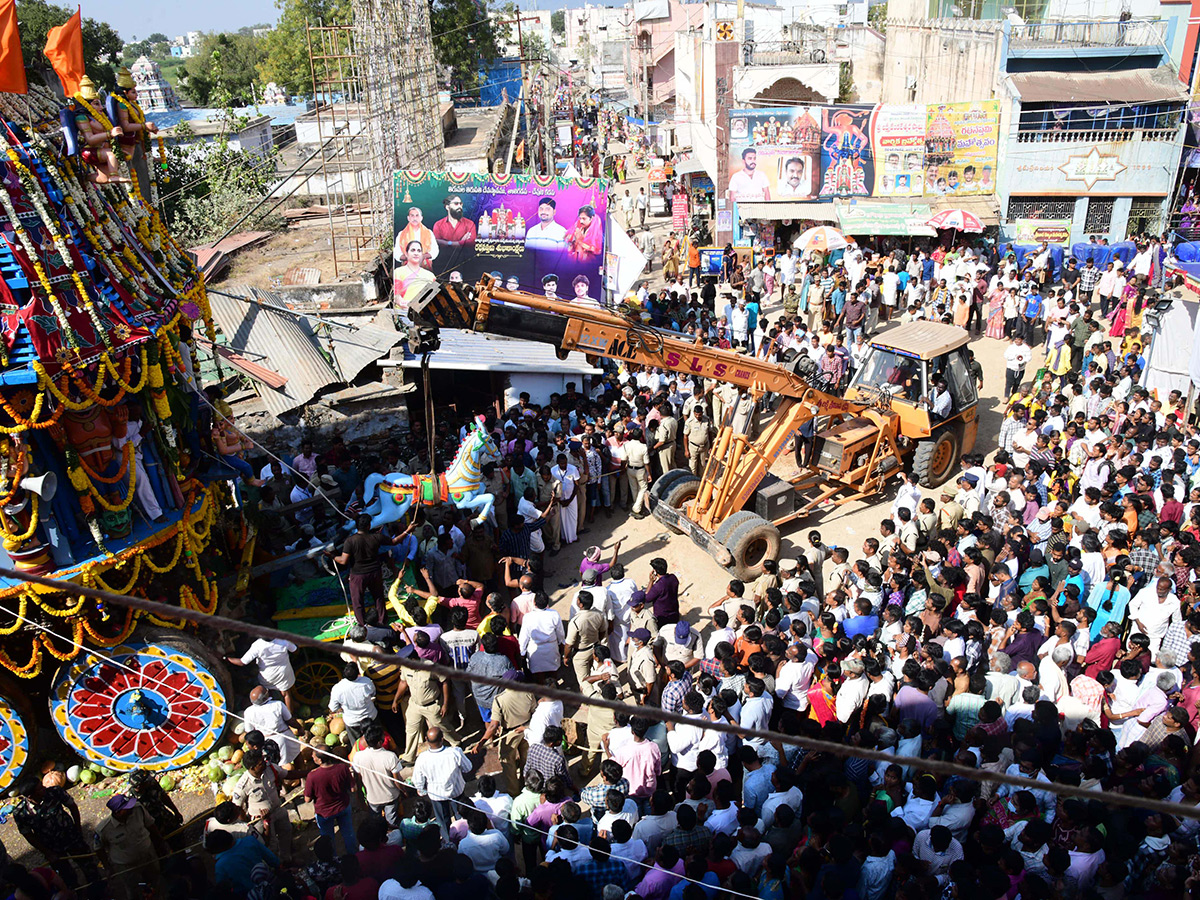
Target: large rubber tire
(752,542)
(726,528)
(681,491)
(663,484)
(936,457)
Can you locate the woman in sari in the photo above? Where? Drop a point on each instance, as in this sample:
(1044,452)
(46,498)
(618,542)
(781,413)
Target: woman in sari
(584,239)
(1122,316)
(410,276)
(995,321)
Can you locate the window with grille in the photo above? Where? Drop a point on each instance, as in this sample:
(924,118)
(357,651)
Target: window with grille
(1099,216)
(1040,208)
(1145,216)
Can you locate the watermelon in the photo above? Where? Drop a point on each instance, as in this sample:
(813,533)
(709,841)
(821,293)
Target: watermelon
(167,783)
(216,774)
(224,753)
(87,776)
(73,774)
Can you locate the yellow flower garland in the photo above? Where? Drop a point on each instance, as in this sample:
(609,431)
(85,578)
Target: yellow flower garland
(12,541)
(124,504)
(126,462)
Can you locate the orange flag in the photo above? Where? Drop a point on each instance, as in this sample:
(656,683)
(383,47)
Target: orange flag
(12,65)
(64,49)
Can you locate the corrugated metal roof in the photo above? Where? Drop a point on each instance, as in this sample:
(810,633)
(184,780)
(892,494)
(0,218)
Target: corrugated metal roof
(469,351)
(310,355)
(1133,86)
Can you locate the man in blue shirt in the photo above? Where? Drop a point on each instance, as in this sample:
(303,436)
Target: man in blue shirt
(864,622)
(234,862)
(756,784)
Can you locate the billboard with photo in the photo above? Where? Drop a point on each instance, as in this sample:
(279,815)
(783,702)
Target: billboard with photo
(898,139)
(775,154)
(542,235)
(818,153)
(847,164)
(961,143)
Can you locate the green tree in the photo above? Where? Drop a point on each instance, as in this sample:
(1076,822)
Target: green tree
(101,43)
(558,21)
(285,48)
(463,41)
(230,60)
(158,38)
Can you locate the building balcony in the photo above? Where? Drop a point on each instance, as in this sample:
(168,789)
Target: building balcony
(1133,33)
(1112,136)
(811,50)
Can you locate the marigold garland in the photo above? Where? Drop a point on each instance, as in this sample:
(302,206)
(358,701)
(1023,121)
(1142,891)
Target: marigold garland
(15,540)
(126,462)
(31,669)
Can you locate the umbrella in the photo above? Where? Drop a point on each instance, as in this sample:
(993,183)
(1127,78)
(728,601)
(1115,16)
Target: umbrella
(956,219)
(822,238)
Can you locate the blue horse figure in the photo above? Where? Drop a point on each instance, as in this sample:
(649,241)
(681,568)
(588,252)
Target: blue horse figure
(461,484)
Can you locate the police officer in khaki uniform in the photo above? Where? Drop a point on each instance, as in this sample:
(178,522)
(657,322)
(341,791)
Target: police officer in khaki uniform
(641,614)
(697,435)
(588,628)
(637,470)
(428,699)
(668,430)
(548,488)
(643,668)
(511,710)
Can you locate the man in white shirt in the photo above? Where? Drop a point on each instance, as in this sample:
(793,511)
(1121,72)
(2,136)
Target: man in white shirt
(379,771)
(483,844)
(1016,358)
(547,712)
(439,776)
(546,234)
(567,478)
(274,665)
(620,590)
(785,793)
(354,695)
(749,183)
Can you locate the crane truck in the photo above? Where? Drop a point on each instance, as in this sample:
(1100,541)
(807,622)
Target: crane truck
(734,509)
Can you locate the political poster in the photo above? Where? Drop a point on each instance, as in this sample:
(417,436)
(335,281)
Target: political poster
(847,164)
(774,154)
(679,211)
(961,143)
(1035,231)
(898,141)
(537,234)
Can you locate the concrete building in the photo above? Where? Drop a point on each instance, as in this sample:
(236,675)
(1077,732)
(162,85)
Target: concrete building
(1091,112)
(598,38)
(254,135)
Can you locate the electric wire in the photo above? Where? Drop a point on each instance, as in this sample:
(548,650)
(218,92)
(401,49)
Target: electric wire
(939,767)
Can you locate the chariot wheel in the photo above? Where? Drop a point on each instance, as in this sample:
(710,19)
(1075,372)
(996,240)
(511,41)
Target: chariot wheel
(18,732)
(315,677)
(157,702)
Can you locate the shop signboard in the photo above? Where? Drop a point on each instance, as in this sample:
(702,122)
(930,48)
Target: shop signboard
(961,142)
(898,139)
(1035,231)
(774,154)
(702,183)
(679,211)
(847,166)
(543,235)
(879,218)
(710,261)
(657,174)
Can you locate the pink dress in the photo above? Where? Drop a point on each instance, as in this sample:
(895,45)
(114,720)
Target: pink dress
(995,322)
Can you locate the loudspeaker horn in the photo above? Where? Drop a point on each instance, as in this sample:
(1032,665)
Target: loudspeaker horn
(45,486)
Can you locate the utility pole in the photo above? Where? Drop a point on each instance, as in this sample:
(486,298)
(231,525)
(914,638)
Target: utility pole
(521,57)
(549,122)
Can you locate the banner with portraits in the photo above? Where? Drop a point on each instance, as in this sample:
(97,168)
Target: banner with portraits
(814,153)
(961,143)
(533,233)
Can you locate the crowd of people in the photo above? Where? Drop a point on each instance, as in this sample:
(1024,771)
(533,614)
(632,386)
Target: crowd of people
(1038,617)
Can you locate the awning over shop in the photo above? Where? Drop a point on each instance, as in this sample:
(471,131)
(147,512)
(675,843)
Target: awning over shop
(691,166)
(986,209)
(776,211)
(885,217)
(1133,86)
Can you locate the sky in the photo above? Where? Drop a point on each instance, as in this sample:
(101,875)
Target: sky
(173,17)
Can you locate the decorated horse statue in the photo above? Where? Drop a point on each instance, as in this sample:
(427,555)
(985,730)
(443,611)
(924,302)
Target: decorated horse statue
(461,484)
